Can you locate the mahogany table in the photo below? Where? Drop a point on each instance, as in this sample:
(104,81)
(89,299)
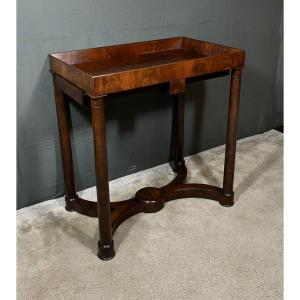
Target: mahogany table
(88,75)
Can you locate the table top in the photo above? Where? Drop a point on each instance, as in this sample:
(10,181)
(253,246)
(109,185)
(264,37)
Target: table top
(103,70)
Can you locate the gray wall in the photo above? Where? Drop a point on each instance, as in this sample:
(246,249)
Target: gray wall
(139,123)
(278,85)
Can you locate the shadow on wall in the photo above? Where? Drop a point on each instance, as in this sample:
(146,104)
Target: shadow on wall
(138,122)
(132,122)
(36,142)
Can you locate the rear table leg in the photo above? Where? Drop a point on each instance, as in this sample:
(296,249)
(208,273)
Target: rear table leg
(177,89)
(228,194)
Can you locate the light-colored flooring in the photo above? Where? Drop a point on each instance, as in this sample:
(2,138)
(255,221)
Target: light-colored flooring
(192,249)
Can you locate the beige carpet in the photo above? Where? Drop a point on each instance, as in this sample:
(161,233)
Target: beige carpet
(192,249)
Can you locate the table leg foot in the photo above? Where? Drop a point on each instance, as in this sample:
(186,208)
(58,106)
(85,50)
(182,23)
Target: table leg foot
(106,251)
(227,200)
(70,201)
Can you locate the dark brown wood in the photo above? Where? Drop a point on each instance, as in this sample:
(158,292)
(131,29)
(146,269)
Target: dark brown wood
(151,199)
(69,89)
(177,87)
(62,111)
(84,207)
(106,244)
(104,70)
(230,151)
(179,160)
(173,153)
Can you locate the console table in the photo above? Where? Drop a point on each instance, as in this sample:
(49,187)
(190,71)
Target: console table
(88,75)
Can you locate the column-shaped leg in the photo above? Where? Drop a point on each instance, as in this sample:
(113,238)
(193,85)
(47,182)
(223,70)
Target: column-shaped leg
(228,194)
(106,244)
(173,145)
(177,89)
(65,145)
(179,139)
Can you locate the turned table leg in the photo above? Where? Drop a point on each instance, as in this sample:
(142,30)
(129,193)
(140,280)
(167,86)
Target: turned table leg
(106,244)
(65,145)
(228,194)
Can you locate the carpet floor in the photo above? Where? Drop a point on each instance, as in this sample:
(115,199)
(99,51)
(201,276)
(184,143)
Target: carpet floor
(192,249)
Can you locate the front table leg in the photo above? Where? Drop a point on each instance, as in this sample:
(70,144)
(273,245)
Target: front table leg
(106,243)
(235,84)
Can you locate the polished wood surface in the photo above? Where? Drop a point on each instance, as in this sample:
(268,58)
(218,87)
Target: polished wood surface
(230,151)
(106,246)
(63,119)
(69,89)
(104,70)
(99,71)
